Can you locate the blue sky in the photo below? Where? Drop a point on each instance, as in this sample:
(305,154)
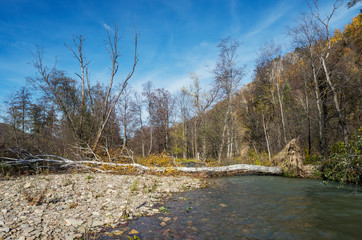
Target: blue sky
(176,36)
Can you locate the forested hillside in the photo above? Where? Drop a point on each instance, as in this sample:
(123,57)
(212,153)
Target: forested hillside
(312,94)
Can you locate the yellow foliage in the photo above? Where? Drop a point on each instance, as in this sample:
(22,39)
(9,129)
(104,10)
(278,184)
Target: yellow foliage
(160,160)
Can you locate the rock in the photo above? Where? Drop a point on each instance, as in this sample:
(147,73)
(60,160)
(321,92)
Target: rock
(38,211)
(97,223)
(96,214)
(166,219)
(223,205)
(27,185)
(78,236)
(73,222)
(27,231)
(23,226)
(60,208)
(163,224)
(117,232)
(55,220)
(4,229)
(133,232)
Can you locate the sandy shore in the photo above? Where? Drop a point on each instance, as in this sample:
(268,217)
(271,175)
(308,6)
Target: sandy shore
(67,206)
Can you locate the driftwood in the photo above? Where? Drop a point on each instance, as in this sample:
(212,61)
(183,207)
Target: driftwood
(57,162)
(95,166)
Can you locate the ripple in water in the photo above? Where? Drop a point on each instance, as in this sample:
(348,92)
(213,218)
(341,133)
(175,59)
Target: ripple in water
(258,207)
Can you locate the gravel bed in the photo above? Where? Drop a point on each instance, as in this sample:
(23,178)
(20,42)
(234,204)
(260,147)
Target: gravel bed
(67,206)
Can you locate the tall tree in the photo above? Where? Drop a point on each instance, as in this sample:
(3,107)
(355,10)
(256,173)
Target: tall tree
(228,76)
(324,55)
(150,105)
(136,109)
(306,36)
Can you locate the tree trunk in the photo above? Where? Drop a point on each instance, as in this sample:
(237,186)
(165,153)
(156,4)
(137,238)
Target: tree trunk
(319,108)
(196,151)
(223,135)
(266,137)
(184,140)
(336,102)
(151,135)
(281,109)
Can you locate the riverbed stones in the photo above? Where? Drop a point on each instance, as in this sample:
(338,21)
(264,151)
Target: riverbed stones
(74,204)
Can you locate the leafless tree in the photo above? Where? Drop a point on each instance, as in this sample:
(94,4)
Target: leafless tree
(306,35)
(150,105)
(228,76)
(325,53)
(114,53)
(136,109)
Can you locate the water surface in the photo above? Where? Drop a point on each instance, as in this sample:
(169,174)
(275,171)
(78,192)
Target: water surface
(258,207)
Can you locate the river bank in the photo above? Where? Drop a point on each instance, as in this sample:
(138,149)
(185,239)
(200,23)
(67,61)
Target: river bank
(68,206)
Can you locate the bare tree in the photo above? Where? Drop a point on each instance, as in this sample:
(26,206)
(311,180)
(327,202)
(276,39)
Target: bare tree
(136,109)
(228,76)
(183,102)
(126,116)
(114,53)
(56,86)
(78,53)
(325,53)
(61,90)
(306,36)
(149,101)
(202,101)
(270,53)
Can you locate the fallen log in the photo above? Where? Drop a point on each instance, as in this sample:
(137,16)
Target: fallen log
(94,165)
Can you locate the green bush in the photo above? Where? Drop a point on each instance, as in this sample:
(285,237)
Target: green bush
(344,163)
(311,159)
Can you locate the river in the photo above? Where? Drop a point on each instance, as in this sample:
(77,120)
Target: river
(257,207)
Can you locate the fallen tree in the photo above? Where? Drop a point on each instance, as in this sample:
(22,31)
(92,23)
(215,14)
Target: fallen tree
(57,162)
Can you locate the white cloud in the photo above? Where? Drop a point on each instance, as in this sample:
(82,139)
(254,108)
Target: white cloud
(274,15)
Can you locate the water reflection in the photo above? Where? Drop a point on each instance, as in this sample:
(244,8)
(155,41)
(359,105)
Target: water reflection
(258,207)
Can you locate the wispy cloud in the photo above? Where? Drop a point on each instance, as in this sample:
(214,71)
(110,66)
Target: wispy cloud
(275,13)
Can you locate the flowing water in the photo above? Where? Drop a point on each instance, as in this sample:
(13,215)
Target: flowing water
(258,207)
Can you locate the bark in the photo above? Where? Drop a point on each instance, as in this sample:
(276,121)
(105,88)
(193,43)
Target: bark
(319,108)
(277,77)
(266,137)
(336,102)
(223,135)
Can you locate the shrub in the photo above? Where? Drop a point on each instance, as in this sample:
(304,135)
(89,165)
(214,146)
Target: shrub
(345,163)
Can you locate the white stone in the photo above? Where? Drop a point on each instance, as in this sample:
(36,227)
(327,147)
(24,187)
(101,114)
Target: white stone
(27,185)
(95,214)
(97,223)
(73,222)
(4,229)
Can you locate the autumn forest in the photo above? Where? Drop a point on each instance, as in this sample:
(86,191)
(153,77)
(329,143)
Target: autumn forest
(312,94)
